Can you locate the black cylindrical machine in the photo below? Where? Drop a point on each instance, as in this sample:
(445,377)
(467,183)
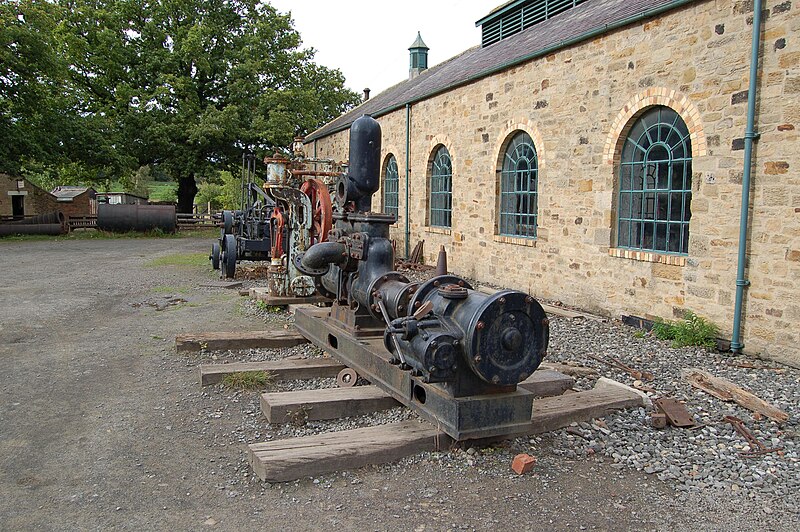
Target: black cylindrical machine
(442,331)
(123,218)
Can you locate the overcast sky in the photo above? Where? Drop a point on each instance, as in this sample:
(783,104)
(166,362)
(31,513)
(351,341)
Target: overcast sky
(368,40)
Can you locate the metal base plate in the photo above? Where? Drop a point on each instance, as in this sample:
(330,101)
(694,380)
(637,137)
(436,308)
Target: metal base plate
(462,418)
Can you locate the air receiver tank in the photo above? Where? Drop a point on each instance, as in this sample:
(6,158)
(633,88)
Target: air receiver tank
(363,175)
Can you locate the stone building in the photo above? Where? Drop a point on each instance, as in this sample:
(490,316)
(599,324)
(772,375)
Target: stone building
(593,152)
(19,197)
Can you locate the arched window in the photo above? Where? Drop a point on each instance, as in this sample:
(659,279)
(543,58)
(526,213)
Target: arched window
(655,186)
(441,189)
(518,183)
(391,181)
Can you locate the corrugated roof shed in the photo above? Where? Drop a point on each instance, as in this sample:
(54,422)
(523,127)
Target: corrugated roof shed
(68,193)
(579,23)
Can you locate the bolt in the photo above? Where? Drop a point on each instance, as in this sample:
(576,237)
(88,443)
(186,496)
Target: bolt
(496,379)
(357,327)
(455,343)
(480,325)
(374,307)
(412,289)
(401,308)
(432,369)
(477,358)
(529,300)
(502,301)
(461,283)
(512,317)
(434,344)
(417,304)
(436,283)
(374,293)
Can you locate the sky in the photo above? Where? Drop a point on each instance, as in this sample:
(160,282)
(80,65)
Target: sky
(368,40)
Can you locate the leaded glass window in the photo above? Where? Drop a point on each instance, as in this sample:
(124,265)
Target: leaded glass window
(518,180)
(441,189)
(391,189)
(655,191)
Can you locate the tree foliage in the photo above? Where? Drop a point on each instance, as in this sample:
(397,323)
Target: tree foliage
(183,86)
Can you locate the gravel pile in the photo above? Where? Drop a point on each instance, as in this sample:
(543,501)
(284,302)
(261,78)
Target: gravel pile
(706,457)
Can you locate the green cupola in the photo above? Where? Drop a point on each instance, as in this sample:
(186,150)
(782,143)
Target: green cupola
(418,59)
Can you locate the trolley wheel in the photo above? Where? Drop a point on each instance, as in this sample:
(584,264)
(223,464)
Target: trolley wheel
(347,378)
(228,258)
(227,222)
(215,253)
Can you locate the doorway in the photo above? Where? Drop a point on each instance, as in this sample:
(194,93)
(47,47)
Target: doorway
(18,206)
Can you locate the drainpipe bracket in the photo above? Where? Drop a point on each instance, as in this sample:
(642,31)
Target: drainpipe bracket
(737,346)
(742,282)
(755,135)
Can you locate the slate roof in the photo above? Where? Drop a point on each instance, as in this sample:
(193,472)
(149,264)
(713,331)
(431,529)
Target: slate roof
(574,25)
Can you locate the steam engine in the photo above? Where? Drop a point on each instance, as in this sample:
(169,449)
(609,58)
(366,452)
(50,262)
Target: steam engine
(453,352)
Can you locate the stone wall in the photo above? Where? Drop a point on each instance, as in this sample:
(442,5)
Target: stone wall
(576,105)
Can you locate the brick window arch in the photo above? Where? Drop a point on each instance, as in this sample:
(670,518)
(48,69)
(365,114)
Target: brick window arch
(440,188)
(655,183)
(391,186)
(519,176)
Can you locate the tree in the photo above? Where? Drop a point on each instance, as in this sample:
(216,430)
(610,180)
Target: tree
(53,130)
(190,84)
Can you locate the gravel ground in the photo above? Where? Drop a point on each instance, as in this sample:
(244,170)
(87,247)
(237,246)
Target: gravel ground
(103,426)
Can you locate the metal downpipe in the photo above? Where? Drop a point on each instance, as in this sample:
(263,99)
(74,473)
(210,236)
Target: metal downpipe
(749,136)
(408,172)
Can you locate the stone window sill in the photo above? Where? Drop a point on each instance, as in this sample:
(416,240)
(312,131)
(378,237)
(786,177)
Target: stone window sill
(439,230)
(516,241)
(648,256)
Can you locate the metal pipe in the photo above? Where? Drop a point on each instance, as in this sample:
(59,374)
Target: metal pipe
(321,254)
(408,172)
(749,136)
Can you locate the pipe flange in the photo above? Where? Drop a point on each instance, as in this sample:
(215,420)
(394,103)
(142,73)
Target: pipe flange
(374,288)
(432,284)
(313,272)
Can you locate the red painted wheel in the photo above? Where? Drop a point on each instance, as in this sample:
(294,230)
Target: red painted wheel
(322,217)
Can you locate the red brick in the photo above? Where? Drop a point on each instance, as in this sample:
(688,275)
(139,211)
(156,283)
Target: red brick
(523,463)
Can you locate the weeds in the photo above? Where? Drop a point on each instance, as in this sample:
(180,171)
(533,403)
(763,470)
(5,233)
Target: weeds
(691,331)
(298,417)
(248,380)
(272,309)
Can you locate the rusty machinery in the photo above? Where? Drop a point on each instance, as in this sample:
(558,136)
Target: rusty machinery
(453,354)
(288,213)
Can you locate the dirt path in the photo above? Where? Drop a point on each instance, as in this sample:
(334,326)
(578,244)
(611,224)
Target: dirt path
(103,425)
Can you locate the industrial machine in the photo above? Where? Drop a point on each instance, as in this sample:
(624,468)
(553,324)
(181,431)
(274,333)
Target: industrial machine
(453,354)
(285,215)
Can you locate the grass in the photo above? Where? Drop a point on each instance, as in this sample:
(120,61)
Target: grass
(181,259)
(248,380)
(162,191)
(692,330)
(171,289)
